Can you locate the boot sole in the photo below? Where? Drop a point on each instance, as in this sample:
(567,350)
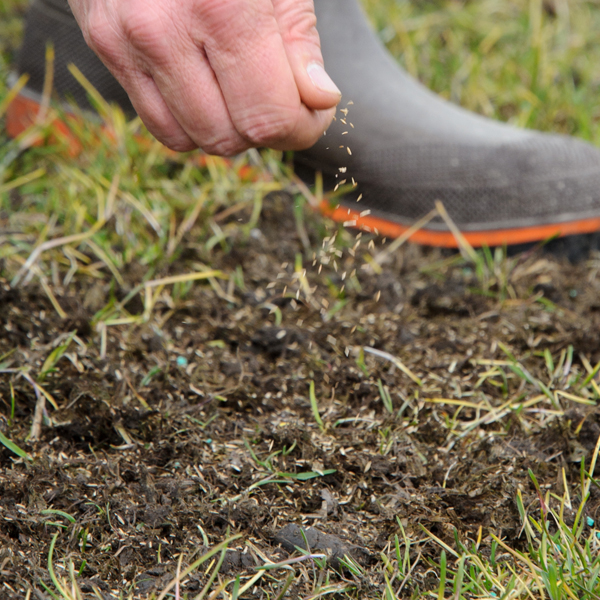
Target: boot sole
(445,239)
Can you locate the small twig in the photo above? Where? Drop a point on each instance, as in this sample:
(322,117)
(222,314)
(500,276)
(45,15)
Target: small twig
(400,241)
(305,191)
(140,399)
(178,576)
(188,222)
(38,415)
(40,407)
(407,578)
(464,246)
(395,361)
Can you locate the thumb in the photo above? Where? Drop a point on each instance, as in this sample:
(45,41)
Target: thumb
(298,27)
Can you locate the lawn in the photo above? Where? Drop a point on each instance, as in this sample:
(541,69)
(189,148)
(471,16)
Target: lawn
(208,390)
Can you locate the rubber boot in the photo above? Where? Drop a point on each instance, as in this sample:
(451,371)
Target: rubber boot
(410,148)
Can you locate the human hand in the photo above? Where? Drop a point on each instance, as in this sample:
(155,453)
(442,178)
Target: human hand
(222,75)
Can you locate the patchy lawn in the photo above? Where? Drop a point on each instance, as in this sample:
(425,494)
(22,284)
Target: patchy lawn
(212,391)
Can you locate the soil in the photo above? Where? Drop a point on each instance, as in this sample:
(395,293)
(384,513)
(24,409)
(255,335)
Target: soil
(198,424)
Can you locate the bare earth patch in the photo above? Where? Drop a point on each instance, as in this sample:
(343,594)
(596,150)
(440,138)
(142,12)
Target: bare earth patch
(199,423)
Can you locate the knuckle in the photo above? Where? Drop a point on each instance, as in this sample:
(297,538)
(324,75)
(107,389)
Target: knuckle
(218,11)
(100,37)
(143,27)
(178,143)
(299,24)
(183,145)
(228,23)
(224,147)
(267,129)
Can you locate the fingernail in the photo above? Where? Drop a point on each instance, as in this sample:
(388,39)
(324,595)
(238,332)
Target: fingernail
(319,77)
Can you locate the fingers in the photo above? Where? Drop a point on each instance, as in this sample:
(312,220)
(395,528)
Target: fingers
(108,40)
(223,75)
(156,115)
(298,27)
(258,83)
(186,80)
(168,79)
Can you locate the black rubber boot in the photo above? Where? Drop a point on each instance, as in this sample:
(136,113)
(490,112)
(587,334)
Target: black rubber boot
(410,148)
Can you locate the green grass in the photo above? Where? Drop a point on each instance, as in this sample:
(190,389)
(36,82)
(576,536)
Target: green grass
(70,222)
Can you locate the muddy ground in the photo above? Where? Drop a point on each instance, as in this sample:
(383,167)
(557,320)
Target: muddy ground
(150,452)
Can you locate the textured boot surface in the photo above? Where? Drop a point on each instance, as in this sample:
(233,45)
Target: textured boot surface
(52,21)
(410,147)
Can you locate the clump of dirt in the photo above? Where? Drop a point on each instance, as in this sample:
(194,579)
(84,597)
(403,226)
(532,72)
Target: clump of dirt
(199,423)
